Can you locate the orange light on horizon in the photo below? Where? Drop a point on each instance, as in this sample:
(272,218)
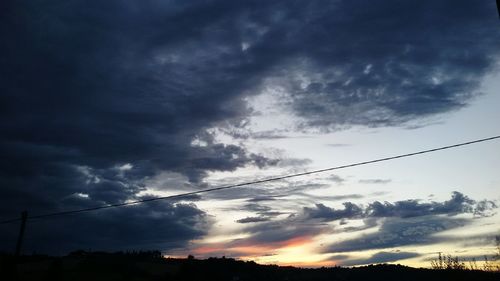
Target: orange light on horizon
(263,252)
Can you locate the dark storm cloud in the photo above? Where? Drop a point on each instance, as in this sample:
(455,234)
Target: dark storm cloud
(392,61)
(153,226)
(380,257)
(87,87)
(220,157)
(245,134)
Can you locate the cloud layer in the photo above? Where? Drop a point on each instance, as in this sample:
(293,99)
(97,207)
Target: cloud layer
(390,225)
(458,204)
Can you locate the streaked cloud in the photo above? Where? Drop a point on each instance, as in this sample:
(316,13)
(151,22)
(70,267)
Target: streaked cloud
(380,257)
(252,219)
(375,181)
(396,232)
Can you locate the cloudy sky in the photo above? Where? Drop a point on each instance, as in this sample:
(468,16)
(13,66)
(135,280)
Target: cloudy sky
(105,102)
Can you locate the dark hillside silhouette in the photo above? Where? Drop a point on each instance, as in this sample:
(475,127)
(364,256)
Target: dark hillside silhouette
(150,265)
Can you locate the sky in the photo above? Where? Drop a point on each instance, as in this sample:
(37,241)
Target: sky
(107,102)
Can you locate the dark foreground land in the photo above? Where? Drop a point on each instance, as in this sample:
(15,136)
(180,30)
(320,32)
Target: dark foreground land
(151,266)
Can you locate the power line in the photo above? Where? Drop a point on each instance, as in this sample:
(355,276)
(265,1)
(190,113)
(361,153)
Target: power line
(251,182)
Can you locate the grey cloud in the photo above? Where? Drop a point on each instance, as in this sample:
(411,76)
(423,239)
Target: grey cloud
(339,257)
(252,219)
(220,157)
(277,232)
(403,223)
(278,189)
(375,181)
(265,213)
(260,135)
(475,240)
(256,207)
(485,208)
(321,211)
(336,179)
(316,198)
(294,162)
(306,195)
(268,135)
(396,232)
(192,197)
(338,144)
(458,204)
(262,198)
(282,230)
(380,257)
(367,223)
